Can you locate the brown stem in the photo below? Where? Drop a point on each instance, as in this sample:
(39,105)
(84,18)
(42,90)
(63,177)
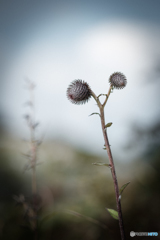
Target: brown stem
(101,107)
(107,96)
(113,174)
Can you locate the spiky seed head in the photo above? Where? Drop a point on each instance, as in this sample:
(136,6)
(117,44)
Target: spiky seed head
(78,92)
(118,80)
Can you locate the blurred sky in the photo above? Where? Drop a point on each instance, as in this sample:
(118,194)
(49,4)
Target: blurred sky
(54,42)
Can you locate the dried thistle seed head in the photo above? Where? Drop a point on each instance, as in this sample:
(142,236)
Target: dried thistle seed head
(78,92)
(118,80)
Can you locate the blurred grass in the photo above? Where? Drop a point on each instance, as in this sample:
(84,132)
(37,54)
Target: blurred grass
(67,180)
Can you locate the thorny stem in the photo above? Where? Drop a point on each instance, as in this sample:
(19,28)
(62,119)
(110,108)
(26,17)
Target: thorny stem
(104,130)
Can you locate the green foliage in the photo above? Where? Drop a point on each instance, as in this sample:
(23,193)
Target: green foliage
(108,125)
(102,164)
(113,213)
(66,180)
(123,187)
(94,114)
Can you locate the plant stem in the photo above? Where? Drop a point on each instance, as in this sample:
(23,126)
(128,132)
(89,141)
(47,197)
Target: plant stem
(113,174)
(33,147)
(33,141)
(107,96)
(104,130)
(34,182)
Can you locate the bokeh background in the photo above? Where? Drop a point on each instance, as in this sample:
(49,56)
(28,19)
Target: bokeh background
(53,43)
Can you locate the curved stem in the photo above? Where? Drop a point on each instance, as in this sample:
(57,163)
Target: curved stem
(107,96)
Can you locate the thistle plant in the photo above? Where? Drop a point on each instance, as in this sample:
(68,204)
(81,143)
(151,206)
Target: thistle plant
(79,92)
(32,206)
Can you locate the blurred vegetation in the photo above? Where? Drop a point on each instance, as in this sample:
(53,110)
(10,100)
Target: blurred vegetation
(73,193)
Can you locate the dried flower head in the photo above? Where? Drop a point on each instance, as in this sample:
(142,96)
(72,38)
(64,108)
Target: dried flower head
(118,80)
(78,92)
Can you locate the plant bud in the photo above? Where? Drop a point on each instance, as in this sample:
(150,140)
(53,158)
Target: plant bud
(118,80)
(78,92)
